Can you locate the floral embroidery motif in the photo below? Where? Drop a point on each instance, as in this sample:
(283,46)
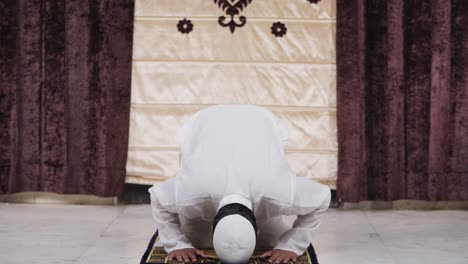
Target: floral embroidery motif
(278,29)
(232,8)
(185,26)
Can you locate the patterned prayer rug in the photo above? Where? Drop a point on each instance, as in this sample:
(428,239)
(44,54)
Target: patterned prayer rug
(157,255)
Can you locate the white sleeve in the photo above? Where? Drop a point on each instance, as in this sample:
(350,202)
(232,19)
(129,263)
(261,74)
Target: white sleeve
(167,220)
(310,204)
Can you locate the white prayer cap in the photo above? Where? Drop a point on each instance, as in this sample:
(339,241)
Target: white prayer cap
(234,239)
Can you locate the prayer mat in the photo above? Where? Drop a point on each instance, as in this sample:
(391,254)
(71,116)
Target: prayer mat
(157,255)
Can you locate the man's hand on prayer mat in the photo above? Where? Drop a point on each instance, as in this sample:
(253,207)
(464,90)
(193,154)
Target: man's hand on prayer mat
(186,255)
(280,256)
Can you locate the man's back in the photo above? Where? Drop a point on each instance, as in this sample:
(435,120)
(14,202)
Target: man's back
(233,149)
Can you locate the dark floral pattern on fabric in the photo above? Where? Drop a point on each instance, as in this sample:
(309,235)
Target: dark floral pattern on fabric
(232,9)
(185,26)
(314,1)
(278,29)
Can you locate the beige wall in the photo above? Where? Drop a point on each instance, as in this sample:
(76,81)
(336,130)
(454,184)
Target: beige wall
(175,75)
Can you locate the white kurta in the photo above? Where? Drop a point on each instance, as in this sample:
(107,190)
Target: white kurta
(236,150)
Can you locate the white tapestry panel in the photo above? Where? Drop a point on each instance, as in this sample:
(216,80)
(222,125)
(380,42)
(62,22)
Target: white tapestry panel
(190,54)
(306,42)
(308,85)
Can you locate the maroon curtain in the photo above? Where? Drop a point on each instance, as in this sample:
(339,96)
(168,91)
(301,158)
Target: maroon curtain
(65,69)
(402,70)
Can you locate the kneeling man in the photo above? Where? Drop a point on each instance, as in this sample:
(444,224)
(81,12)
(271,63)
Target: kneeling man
(234,190)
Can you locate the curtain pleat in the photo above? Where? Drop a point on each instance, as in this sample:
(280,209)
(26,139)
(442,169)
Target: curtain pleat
(351,100)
